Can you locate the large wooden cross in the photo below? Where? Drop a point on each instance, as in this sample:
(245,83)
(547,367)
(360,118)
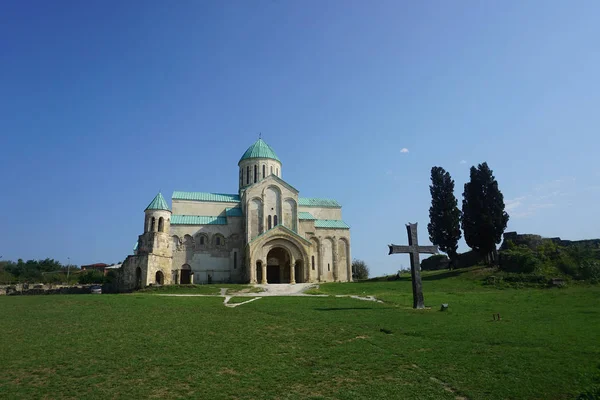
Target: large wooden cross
(414,249)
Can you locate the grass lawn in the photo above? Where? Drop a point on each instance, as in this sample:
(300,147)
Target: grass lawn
(547,345)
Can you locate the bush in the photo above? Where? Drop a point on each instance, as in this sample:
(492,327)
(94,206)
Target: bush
(520,260)
(360,270)
(435,262)
(590,271)
(88,277)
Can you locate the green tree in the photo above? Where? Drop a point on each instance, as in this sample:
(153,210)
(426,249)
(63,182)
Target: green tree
(483,217)
(444,215)
(360,270)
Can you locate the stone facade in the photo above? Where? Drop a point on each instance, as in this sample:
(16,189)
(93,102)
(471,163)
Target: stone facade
(266,233)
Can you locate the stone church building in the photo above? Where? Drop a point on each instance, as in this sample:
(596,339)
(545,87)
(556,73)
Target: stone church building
(266,233)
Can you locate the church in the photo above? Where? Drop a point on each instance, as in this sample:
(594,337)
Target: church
(265,233)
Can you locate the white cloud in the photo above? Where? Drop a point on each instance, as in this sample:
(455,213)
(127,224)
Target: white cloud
(463,161)
(404,150)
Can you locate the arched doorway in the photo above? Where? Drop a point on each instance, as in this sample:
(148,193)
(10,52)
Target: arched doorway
(186,274)
(278,261)
(259,271)
(160,278)
(138,278)
(299,271)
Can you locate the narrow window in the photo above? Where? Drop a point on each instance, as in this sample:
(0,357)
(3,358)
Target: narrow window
(271,170)
(218,241)
(255,173)
(313,263)
(153,224)
(201,240)
(241,178)
(264,169)
(277,172)
(161,224)
(269,222)
(247,174)
(234,260)
(275,220)
(328,267)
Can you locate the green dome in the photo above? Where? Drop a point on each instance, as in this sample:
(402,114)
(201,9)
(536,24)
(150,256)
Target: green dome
(158,203)
(259,150)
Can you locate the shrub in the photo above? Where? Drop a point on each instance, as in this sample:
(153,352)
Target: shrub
(521,261)
(589,270)
(435,262)
(360,270)
(91,277)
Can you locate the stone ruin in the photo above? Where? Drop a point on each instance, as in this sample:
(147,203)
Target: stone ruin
(534,241)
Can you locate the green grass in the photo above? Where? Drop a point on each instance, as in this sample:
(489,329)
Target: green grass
(147,346)
(213,289)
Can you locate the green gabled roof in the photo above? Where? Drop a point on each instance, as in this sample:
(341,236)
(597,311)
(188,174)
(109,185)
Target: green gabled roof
(303,215)
(274,177)
(204,196)
(317,202)
(233,212)
(197,220)
(331,224)
(259,149)
(158,203)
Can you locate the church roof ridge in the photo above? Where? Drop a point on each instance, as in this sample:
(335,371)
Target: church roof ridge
(259,149)
(331,224)
(318,202)
(158,203)
(206,196)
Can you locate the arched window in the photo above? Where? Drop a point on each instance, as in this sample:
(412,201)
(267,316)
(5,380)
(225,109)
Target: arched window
(255,173)
(269,222)
(313,263)
(247,174)
(153,225)
(241,178)
(218,241)
(201,240)
(161,224)
(271,170)
(277,173)
(264,171)
(328,267)
(274,220)
(234,260)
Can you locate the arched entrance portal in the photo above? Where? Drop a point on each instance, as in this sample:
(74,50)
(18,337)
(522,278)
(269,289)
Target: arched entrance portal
(299,271)
(138,278)
(160,278)
(278,262)
(186,274)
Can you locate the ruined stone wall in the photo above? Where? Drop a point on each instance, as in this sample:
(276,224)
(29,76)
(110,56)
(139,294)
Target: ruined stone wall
(323,212)
(534,241)
(197,247)
(207,208)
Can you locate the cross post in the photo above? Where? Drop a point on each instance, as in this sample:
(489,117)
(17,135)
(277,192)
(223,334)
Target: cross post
(413,249)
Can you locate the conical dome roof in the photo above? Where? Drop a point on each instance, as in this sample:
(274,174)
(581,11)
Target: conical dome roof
(260,149)
(158,203)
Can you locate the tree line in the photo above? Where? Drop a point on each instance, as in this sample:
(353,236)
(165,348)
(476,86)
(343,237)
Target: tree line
(483,217)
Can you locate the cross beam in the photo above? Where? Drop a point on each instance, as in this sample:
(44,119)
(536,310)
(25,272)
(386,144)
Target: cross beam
(413,249)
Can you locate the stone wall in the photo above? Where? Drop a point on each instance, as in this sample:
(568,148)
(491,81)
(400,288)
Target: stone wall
(534,241)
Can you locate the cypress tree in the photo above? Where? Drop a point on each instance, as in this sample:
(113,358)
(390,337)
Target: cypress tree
(444,215)
(483,217)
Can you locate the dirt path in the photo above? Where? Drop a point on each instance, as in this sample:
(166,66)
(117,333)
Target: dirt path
(271,290)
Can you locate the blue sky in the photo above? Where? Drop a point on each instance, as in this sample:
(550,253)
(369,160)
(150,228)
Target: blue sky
(105,103)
